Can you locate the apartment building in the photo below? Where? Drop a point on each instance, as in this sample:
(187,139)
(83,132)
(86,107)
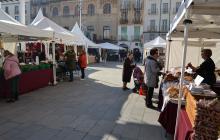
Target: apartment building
(99,17)
(157,17)
(14,7)
(130,23)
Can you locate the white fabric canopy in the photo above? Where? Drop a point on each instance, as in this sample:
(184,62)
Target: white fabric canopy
(10,27)
(60,34)
(205,19)
(77,31)
(158,42)
(110,46)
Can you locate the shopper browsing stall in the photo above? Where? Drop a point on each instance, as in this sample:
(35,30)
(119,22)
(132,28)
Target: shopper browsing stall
(11,74)
(70,62)
(207,68)
(127,71)
(82,63)
(152,68)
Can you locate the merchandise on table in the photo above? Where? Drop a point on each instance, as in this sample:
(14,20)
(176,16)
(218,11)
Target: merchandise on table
(207,120)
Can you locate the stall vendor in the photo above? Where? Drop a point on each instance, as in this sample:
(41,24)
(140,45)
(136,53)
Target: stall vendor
(207,68)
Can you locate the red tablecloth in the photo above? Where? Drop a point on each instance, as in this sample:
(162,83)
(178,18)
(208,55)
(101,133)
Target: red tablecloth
(184,128)
(28,81)
(167,118)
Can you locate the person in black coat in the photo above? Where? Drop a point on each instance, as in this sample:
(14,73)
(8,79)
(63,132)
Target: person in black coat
(207,68)
(127,71)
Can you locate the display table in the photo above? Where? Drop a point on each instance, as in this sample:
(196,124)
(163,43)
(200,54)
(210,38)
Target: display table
(184,127)
(167,118)
(28,81)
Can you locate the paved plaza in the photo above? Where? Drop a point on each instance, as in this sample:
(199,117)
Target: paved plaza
(92,109)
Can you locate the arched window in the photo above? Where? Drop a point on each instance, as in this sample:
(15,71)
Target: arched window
(55,11)
(66,10)
(91,9)
(77,10)
(107,8)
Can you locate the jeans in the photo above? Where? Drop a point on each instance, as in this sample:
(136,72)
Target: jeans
(149,96)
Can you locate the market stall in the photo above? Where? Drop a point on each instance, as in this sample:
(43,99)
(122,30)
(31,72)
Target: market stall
(197,20)
(13,32)
(60,35)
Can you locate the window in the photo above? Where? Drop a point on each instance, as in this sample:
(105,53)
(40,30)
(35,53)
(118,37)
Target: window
(25,9)
(152,25)
(66,10)
(107,8)
(137,33)
(138,4)
(177,6)
(55,11)
(17,18)
(106,32)
(153,8)
(16,10)
(77,10)
(164,25)
(44,11)
(124,34)
(6,10)
(165,8)
(91,9)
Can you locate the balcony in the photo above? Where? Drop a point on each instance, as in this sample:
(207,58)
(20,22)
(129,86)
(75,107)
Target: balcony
(152,11)
(137,20)
(123,21)
(165,11)
(152,28)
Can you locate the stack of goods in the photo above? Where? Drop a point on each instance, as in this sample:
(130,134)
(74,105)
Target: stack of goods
(207,120)
(174,92)
(170,78)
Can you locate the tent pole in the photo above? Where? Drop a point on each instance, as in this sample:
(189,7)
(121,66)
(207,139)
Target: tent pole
(54,62)
(186,22)
(168,53)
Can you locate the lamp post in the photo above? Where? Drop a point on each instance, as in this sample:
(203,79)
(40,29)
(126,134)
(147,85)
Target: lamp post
(80,14)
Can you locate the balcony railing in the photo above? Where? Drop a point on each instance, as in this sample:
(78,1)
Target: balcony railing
(164,29)
(123,21)
(137,20)
(152,12)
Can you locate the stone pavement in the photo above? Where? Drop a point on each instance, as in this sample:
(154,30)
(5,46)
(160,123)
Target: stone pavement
(92,109)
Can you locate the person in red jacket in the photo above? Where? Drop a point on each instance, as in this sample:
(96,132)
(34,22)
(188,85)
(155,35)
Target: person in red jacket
(82,63)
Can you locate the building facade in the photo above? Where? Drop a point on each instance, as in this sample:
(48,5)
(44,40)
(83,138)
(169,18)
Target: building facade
(12,7)
(130,23)
(99,17)
(157,17)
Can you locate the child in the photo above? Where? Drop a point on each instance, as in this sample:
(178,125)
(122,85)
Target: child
(138,77)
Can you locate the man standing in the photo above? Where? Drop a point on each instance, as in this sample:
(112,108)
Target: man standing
(152,68)
(71,62)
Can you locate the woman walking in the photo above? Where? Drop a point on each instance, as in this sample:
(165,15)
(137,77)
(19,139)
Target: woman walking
(82,63)
(11,74)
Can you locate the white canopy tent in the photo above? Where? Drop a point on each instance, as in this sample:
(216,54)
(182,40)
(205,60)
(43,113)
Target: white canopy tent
(204,15)
(59,33)
(158,42)
(110,46)
(77,31)
(12,30)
